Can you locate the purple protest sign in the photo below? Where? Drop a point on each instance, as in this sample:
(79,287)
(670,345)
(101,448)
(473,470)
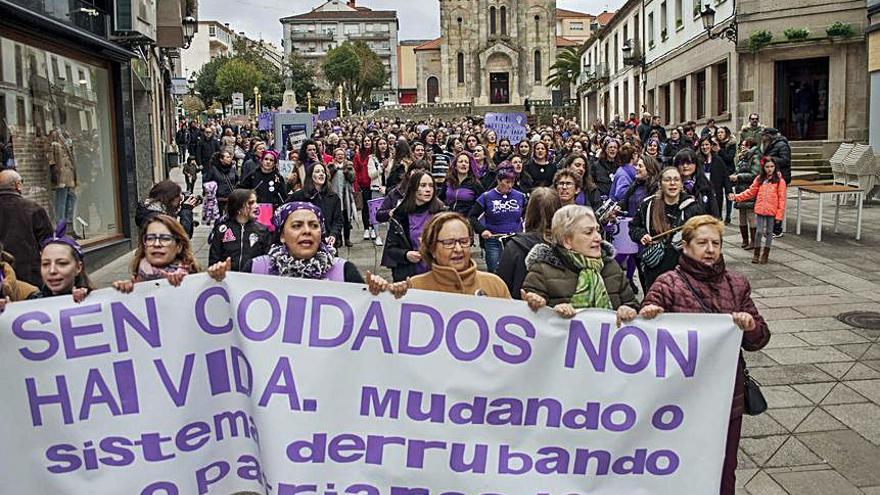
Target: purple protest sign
(511,126)
(264,121)
(328,114)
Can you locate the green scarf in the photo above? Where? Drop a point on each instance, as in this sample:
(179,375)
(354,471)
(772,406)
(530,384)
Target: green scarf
(590,291)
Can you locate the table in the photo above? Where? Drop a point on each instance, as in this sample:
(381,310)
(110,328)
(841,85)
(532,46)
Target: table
(835,190)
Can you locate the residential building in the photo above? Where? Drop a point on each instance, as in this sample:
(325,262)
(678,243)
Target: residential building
(265,49)
(96,82)
(334,22)
(407,82)
(873,33)
(213,39)
(578,26)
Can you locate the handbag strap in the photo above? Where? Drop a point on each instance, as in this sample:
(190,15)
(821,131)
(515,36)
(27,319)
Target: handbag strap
(693,291)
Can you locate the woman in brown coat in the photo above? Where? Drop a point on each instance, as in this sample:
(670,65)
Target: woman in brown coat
(577,270)
(701,284)
(445,248)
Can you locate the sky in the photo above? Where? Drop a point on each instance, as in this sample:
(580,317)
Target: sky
(419,19)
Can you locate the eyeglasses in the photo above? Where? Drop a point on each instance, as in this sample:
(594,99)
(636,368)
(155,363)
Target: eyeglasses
(565,184)
(465,242)
(671,180)
(160,239)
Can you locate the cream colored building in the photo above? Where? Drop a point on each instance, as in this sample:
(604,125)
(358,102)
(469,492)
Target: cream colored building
(407,82)
(578,26)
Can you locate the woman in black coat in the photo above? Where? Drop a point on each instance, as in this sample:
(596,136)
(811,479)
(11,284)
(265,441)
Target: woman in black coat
(401,253)
(673,146)
(603,168)
(695,183)
(709,163)
(317,191)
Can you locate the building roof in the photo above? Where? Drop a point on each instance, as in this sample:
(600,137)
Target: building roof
(560,13)
(413,42)
(431,45)
(560,41)
(360,14)
(605,17)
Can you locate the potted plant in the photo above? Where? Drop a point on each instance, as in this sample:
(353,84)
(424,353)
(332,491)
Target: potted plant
(840,30)
(759,39)
(795,34)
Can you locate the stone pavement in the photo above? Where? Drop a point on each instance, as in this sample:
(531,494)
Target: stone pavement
(821,377)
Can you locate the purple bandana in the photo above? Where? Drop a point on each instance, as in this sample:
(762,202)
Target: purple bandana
(58,237)
(286,209)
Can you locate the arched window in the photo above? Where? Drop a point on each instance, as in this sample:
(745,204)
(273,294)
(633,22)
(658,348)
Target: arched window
(459,27)
(537,25)
(537,66)
(503,21)
(492,20)
(461,68)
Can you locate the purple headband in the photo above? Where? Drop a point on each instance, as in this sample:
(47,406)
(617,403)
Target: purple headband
(286,209)
(58,237)
(270,152)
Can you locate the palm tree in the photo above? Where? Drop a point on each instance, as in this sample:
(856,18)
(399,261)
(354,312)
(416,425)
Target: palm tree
(567,67)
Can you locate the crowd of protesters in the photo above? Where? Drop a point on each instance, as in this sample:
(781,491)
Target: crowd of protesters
(566,218)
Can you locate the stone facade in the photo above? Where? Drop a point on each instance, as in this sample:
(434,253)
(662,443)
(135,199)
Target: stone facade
(841,89)
(490,52)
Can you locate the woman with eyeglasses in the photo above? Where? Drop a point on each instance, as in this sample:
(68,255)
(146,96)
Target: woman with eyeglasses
(266,182)
(669,208)
(163,252)
(445,249)
(567,185)
(589,193)
(696,183)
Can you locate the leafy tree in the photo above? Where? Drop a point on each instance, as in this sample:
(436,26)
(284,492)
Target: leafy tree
(302,74)
(357,68)
(206,79)
(237,76)
(193,105)
(567,67)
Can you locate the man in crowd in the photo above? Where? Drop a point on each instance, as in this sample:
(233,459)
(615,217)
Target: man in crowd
(752,130)
(208,145)
(23,224)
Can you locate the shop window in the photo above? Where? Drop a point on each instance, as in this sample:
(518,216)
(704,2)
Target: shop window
(65,132)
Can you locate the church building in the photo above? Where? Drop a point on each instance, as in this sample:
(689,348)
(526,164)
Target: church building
(491,52)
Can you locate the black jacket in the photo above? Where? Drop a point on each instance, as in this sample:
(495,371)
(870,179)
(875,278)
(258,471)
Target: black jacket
(269,188)
(780,151)
(226,179)
(602,173)
(644,131)
(672,148)
(206,149)
(704,193)
(728,155)
(23,224)
(542,175)
(249,166)
(719,177)
(330,205)
(397,244)
(181,137)
(512,265)
(642,224)
(241,243)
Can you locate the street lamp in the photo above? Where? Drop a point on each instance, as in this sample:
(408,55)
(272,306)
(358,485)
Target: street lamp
(631,56)
(189,30)
(730,31)
(309,99)
(256,100)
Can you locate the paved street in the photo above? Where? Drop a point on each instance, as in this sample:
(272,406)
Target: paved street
(821,377)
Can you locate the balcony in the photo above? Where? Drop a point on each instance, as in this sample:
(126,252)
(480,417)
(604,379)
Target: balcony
(312,35)
(84,15)
(370,35)
(592,78)
(632,53)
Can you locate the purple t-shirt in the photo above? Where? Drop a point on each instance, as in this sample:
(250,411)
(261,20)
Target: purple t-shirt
(417,222)
(503,212)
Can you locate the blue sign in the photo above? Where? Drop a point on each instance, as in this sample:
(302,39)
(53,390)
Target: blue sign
(511,126)
(328,114)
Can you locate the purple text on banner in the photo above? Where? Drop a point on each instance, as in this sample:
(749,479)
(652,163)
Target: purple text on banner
(264,121)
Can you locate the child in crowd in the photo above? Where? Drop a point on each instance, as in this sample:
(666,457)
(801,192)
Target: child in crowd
(768,190)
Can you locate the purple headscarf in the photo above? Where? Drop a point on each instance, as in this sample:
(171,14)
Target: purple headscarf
(286,209)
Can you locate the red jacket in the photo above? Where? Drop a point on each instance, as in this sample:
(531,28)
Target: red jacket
(769,197)
(721,291)
(361,171)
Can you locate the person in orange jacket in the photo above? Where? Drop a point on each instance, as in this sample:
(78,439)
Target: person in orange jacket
(768,190)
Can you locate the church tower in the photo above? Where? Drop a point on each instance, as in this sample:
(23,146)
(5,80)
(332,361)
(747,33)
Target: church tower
(496,52)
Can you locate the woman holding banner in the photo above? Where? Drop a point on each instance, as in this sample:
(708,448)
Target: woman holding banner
(240,238)
(163,252)
(301,252)
(577,269)
(702,284)
(445,249)
(62,267)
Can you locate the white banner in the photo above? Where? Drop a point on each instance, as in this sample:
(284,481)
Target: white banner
(283,386)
